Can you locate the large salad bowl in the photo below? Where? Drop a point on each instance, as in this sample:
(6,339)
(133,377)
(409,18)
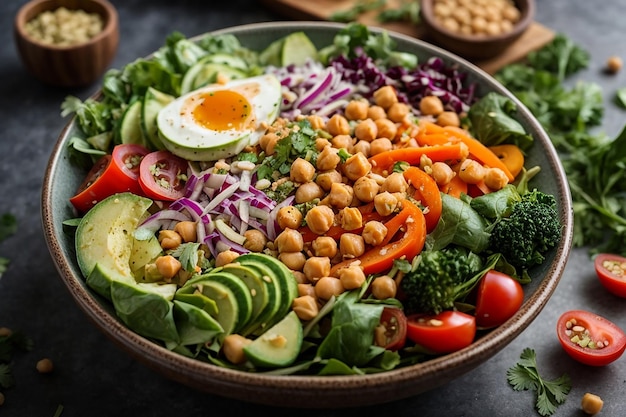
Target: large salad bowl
(63,178)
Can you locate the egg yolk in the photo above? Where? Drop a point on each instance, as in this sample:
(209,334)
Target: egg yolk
(222,110)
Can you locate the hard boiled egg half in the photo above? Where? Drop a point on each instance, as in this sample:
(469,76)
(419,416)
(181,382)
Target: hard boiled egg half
(219,120)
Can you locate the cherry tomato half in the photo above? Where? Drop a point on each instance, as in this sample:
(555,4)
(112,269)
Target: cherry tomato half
(445,332)
(115,173)
(162,176)
(393,322)
(499,297)
(589,338)
(611,270)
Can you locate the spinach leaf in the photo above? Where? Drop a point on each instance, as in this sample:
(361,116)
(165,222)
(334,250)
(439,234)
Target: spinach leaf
(194,325)
(498,204)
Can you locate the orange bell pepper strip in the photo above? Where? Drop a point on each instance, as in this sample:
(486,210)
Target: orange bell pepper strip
(511,156)
(455,187)
(380,258)
(427,192)
(449,152)
(479,151)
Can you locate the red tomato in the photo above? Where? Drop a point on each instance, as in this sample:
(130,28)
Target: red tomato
(112,174)
(499,297)
(611,270)
(589,338)
(162,176)
(394,322)
(445,332)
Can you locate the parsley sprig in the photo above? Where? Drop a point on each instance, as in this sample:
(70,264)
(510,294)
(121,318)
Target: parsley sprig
(9,344)
(525,376)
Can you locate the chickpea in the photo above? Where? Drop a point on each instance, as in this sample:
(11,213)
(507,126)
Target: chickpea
(614,64)
(320,219)
(366,130)
(385,203)
(511,13)
(5,332)
(451,24)
(376,112)
(351,245)
(305,307)
(255,240)
(591,404)
(384,287)
(385,97)
(168,266)
(395,183)
(431,106)
(386,128)
(448,118)
(44,366)
(301,171)
(324,246)
(316,267)
(169,239)
(226,257)
(328,287)
(308,192)
(321,143)
(362,147)
(342,141)
(232,347)
(495,178)
(338,125)
(351,277)
(327,178)
(471,171)
(442,173)
(187,230)
(270,147)
(266,139)
(294,260)
(317,122)
(289,217)
(398,112)
(356,110)
(351,218)
(289,240)
(356,166)
(380,145)
(300,277)
(374,232)
(327,159)
(340,195)
(365,189)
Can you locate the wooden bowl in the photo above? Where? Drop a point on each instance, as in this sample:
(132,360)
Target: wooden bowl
(67,66)
(474,46)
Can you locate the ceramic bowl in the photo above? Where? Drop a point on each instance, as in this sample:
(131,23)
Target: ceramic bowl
(475,46)
(62,179)
(74,65)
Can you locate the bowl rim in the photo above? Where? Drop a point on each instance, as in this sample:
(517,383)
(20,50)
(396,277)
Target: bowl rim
(526,7)
(108,13)
(306,390)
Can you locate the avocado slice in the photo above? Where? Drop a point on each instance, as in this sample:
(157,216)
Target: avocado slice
(279,346)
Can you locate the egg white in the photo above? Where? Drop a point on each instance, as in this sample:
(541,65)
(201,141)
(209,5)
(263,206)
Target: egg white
(185,135)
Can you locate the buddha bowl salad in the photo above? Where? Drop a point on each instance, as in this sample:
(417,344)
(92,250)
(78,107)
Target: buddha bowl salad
(335,210)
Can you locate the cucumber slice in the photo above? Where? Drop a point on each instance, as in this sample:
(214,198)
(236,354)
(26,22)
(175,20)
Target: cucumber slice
(297,48)
(279,346)
(153,101)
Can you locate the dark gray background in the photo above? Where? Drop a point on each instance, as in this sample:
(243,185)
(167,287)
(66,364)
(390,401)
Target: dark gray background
(94,378)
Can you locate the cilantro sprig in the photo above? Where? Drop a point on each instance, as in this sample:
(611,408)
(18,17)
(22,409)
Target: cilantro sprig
(10,342)
(525,376)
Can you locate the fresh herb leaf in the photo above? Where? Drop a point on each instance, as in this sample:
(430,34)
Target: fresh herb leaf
(409,11)
(620,97)
(352,13)
(9,344)
(8,225)
(525,376)
(187,254)
(6,376)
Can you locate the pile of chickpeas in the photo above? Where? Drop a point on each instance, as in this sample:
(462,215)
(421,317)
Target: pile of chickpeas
(477,17)
(64,27)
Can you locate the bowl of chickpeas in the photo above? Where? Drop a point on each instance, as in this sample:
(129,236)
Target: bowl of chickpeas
(476,29)
(67,43)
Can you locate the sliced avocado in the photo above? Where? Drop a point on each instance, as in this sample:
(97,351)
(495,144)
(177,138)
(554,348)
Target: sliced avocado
(153,101)
(144,252)
(232,61)
(104,237)
(259,292)
(297,48)
(272,54)
(239,290)
(206,69)
(130,127)
(279,346)
(227,304)
(199,300)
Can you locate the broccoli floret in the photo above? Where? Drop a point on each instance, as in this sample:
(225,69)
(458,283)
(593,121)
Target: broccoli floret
(439,278)
(532,228)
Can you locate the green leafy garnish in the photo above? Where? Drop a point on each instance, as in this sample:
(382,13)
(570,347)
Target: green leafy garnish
(352,13)
(525,376)
(9,344)
(620,97)
(8,226)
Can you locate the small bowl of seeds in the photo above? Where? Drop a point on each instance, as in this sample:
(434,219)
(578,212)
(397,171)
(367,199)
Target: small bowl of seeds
(67,43)
(476,29)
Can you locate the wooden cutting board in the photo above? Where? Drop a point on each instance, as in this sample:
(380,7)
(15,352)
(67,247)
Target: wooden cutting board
(535,37)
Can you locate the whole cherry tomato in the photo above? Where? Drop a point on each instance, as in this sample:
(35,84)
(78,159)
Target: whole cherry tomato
(589,338)
(499,296)
(111,174)
(162,176)
(445,332)
(393,321)
(611,270)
